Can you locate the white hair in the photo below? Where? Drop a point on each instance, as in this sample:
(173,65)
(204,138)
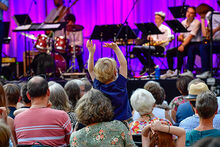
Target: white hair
(142,101)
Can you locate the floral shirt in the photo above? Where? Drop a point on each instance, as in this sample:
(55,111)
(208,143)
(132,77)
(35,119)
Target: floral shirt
(137,126)
(177,101)
(103,134)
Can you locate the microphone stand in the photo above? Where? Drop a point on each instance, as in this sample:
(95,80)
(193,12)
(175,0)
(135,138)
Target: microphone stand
(125,24)
(25,22)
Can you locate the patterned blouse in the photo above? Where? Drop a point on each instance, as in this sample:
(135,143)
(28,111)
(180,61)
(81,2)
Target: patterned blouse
(174,104)
(137,126)
(103,134)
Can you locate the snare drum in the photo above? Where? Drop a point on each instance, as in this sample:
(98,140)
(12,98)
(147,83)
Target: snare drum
(42,43)
(76,49)
(60,44)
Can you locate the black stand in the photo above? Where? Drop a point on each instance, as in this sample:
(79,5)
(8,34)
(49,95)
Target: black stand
(177,27)
(148,29)
(211,41)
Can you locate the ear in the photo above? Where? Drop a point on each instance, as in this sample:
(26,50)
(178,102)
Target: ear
(48,92)
(28,96)
(196,111)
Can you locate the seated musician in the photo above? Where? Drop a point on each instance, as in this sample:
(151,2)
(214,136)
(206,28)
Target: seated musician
(189,46)
(158,42)
(75,41)
(204,11)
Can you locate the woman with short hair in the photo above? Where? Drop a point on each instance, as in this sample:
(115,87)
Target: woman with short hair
(95,111)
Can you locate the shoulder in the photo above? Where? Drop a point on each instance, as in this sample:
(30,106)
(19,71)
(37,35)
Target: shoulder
(165,27)
(196,21)
(189,120)
(184,21)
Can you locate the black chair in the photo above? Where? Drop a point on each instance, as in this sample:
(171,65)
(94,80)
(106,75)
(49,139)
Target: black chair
(137,140)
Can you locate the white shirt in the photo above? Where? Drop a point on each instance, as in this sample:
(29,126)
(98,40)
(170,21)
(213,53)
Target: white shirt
(158,112)
(163,37)
(215,23)
(75,38)
(194,28)
(50,18)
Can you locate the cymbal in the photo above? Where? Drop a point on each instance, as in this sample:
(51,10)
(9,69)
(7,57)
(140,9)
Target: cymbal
(74,28)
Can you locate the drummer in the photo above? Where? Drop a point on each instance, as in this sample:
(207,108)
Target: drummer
(75,37)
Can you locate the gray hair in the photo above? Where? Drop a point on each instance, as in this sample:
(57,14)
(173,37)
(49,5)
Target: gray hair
(206,104)
(87,84)
(142,101)
(59,98)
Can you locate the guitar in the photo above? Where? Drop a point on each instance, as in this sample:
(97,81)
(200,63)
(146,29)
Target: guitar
(64,12)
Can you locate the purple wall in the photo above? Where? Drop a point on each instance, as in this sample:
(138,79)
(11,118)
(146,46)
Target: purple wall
(90,13)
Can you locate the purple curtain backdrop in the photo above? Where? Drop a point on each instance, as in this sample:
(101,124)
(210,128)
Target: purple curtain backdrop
(90,13)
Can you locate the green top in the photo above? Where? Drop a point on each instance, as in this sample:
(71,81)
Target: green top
(103,134)
(194,135)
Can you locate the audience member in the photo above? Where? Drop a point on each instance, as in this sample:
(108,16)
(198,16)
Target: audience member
(157,91)
(25,100)
(192,122)
(206,107)
(5,135)
(143,102)
(73,91)
(185,110)
(40,123)
(160,135)
(87,83)
(107,80)
(60,101)
(12,93)
(4,115)
(182,85)
(95,111)
(208,142)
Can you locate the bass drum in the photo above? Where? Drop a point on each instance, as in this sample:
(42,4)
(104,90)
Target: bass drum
(60,63)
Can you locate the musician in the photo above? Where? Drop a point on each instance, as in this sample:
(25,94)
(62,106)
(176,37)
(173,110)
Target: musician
(75,42)
(159,43)
(189,46)
(55,13)
(204,11)
(3,7)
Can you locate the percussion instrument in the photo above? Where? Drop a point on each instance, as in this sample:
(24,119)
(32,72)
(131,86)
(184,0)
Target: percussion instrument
(77,50)
(74,28)
(42,43)
(60,63)
(60,44)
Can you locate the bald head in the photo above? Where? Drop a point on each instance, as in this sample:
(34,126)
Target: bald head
(37,87)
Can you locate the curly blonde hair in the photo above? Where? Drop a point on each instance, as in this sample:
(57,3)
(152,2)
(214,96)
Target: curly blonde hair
(94,107)
(105,69)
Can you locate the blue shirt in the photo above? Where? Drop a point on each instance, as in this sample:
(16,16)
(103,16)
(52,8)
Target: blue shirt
(184,110)
(193,136)
(116,91)
(1,11)
(11,113)
(192,122)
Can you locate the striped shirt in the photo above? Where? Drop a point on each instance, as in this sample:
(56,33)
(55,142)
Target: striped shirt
(45,125)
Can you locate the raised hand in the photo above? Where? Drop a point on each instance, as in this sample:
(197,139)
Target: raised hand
(90,46)
(112,45)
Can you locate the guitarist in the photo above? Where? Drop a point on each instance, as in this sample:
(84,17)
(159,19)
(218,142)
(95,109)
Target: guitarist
(159,43)
(54,16)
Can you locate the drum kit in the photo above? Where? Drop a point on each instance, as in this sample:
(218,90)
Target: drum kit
(59,46)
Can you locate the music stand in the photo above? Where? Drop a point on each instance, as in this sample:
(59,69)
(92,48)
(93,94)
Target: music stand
(179,11)
(22,19)
(148,29)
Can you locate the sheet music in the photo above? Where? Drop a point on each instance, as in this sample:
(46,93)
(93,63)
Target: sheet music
(23,27)
(50,26)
